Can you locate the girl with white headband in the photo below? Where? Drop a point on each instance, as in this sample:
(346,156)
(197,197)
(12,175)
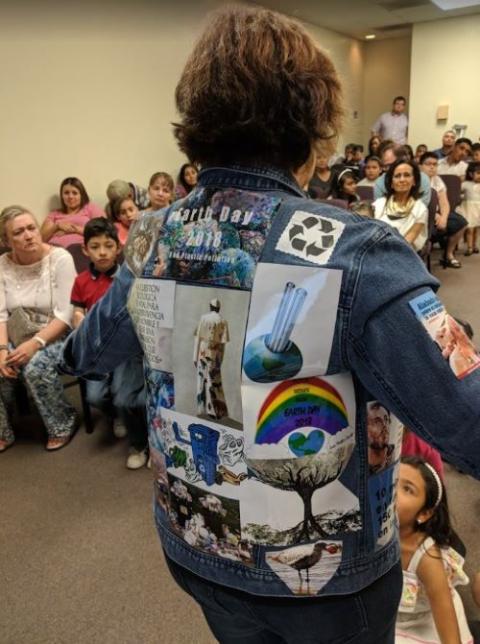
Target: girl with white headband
(430,609)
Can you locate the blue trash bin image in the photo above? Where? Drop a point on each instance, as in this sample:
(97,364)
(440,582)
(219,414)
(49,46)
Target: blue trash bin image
(204,442)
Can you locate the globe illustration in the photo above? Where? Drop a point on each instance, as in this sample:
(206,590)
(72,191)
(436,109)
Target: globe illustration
(263,365)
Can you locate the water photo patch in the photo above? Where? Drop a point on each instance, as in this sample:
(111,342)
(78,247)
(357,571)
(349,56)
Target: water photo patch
(291,322)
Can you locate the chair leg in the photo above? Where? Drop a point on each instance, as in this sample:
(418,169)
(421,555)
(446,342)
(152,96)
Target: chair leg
(87,413)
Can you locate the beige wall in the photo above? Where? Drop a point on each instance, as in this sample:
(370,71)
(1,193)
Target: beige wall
(387,74)
(445,61)
(348,57)
(87,89)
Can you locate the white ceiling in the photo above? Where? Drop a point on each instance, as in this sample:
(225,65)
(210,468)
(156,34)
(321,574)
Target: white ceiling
(385,18)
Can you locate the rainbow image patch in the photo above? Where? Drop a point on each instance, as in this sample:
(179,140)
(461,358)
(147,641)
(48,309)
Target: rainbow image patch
(293,404)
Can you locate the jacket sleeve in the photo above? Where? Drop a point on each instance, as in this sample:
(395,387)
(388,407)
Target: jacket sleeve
(400,363)
(106,338)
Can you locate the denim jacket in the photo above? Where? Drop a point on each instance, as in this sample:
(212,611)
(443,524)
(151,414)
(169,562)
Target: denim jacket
(286,344)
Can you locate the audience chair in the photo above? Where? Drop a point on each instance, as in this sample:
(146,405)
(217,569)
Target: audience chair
(86,411)
(454,189)
(338,203)
(425,252)
(80,260)
(365,193)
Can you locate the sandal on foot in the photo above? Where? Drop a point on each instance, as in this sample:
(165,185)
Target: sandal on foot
(475,250)
(452,263)
(54,444)
(4,445)
(469,252)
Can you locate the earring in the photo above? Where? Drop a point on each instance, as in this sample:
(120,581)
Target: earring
(419,522)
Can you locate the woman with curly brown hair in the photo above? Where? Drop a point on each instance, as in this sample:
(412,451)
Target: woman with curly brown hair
(268,514)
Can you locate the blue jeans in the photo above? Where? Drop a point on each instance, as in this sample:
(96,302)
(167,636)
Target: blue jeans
(234,617)
(122,394)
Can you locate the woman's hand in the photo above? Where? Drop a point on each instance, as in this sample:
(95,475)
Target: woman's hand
(66,227)
(441,221)
(6,371)
(22,354)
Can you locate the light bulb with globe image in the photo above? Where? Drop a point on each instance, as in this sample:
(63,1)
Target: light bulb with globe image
(273,356)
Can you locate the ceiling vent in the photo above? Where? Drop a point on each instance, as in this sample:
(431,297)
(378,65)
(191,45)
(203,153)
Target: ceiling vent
(389,28)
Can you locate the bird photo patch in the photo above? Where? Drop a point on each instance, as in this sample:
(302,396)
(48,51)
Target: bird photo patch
(310,237)
(306,569)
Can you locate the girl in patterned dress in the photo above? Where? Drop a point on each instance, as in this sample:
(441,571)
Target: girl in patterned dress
(430,609)
(470,206)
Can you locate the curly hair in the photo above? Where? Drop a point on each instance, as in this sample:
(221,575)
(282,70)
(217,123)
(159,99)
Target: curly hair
(256,88)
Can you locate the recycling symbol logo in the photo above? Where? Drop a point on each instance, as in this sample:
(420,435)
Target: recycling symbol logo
(310,237)
(316,244)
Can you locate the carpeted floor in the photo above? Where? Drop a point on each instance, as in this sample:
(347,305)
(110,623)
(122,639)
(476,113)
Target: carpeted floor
(80,562)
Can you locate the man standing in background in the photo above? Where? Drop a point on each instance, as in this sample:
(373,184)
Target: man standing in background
(393,125)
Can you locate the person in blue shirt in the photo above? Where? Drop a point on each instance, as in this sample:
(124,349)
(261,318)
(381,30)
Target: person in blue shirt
(448,141)
(269,514)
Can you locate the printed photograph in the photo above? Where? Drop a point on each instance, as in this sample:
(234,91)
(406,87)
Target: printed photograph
(138,250)
(207,521)
(203,453)
(385,433)
(214,237)
(290,502)
(448,333)
(299,439)
(207,352)
(298,417)
(381,492)
(306,569)
(160,391)
(291,322)
(159,468)
(151,307)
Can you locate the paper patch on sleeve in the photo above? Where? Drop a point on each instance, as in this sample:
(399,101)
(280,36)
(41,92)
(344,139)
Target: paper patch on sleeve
(447,333)
(311,237)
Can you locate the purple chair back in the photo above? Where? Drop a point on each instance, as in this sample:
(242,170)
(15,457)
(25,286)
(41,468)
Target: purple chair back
(338,203)
(80,260)
(365,193)
(432,211)
(454,189)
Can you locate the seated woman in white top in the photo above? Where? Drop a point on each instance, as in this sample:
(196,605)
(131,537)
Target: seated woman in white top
(402,208)
(449,224)
(35,314)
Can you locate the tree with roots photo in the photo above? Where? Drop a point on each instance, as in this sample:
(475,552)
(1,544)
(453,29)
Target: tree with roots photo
(304,476)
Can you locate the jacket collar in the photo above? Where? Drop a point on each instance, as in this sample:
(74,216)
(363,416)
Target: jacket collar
(258,177)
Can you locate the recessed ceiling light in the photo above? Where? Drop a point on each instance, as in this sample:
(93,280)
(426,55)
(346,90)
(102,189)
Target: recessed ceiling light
(370,37)
(449,5)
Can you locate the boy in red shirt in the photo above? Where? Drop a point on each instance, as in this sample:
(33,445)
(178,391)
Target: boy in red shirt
(121,394)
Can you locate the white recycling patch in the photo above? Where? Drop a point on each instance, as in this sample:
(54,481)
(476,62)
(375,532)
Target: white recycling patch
(310,237)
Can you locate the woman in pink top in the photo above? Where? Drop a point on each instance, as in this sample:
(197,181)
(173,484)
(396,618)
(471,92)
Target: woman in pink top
(64,227)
